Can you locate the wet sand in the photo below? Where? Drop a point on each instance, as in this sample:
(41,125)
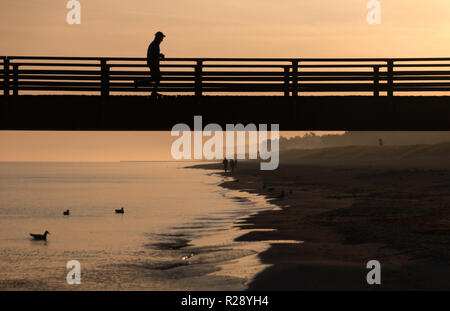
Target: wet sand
(392,206)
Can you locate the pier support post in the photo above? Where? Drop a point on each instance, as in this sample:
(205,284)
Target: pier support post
(6,77)
(4,115)
(104,78)
(15,80)
(295,78)
(390,81)
(198,78)
(376,81)
(286,81)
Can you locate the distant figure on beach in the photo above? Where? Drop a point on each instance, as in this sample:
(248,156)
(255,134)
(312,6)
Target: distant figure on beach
(281,195)
(232,165)
(380,142)
(225,164)
(120,211)
(153,58)
(66,213)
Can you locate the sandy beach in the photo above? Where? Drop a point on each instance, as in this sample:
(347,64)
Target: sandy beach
(350,205)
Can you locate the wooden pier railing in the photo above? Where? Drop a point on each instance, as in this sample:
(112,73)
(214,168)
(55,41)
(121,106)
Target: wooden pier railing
(288,77)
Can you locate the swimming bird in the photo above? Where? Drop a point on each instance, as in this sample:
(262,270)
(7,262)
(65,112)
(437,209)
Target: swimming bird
(66,213)
(120,211)
(40,237)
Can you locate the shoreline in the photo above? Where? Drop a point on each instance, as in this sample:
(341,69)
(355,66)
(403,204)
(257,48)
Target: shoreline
(207,247)
(346,216)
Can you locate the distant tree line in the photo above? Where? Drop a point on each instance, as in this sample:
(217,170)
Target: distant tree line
(312,141)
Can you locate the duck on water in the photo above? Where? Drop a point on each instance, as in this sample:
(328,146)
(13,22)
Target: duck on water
(40,237)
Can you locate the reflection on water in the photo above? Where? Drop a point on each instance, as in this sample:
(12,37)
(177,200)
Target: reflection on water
(176,233)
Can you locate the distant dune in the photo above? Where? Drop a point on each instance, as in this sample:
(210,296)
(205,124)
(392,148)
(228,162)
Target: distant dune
(364,138)
(435,155)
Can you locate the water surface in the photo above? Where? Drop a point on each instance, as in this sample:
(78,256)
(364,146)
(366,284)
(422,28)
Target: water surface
(170,213)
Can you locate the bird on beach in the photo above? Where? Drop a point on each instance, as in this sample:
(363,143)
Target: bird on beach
(184,258)
(66,213)
(281,195)
(120,211)
(40,237)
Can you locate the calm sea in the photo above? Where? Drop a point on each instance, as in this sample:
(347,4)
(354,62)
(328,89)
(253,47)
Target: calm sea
(170,212)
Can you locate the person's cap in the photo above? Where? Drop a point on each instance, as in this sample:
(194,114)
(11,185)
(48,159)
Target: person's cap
(160,34)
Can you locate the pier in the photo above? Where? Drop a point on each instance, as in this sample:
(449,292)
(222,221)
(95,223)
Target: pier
(98,93)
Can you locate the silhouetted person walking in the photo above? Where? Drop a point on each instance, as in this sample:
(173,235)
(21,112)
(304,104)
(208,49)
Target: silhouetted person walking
(153,58)
(225,164)
(232,165)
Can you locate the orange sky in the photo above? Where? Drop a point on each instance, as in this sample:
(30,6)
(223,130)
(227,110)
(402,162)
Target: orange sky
(232,28)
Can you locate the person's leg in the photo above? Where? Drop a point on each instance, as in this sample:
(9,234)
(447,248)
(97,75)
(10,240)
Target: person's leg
(144,81)
(156,76)
(149,80)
